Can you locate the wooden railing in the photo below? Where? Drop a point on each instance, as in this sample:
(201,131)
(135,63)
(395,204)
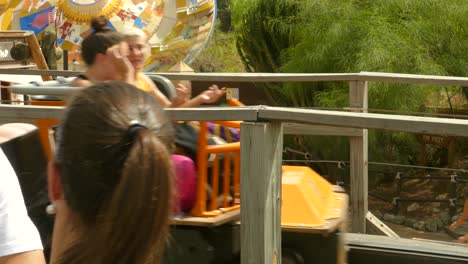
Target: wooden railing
(261,150)
(261,143)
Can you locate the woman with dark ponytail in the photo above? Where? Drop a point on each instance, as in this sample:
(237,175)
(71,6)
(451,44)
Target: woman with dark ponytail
(105,53)
(111,179)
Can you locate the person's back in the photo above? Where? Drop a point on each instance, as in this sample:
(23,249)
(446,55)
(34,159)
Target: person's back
(21,145)
(111,178)
(19,239)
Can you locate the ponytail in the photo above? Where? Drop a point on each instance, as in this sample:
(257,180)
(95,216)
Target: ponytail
(132,223)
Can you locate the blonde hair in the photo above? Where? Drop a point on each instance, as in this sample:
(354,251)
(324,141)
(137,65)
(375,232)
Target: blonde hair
(132,31)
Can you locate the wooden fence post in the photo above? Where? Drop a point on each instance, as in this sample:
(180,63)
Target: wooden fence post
(358,92)
(261,158)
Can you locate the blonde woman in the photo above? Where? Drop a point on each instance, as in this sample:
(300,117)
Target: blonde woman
(138,51)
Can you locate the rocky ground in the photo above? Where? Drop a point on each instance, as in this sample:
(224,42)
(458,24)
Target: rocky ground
(416,220)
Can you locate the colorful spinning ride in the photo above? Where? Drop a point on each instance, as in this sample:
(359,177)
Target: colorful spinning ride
(177,29)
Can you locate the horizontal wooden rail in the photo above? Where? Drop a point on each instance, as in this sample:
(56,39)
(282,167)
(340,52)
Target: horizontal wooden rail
(16,33)
(413,78)
(320,130)
(30,112)
(247,113)
(329,119)
(261,77)
(281,77)
(414,124)
(39,72)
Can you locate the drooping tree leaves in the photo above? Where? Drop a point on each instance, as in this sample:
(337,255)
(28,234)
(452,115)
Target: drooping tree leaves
(333,36)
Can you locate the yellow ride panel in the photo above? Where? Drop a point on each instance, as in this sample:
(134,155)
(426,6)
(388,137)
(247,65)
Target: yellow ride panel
(308,199)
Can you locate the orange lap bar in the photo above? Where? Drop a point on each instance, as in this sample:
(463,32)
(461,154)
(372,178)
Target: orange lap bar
(44,124)
(204,151)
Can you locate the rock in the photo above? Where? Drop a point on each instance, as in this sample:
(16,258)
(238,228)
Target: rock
(440,224)
(420,225)
(399,220)
(378,214)
(413,207)
(432,225)
(445,218)
(435,210)
(439,197)
(388,217)
(410,222)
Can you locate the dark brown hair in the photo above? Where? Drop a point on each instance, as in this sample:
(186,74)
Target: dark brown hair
(99,40)
(117,177)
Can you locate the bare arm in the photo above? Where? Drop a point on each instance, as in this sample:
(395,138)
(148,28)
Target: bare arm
(19,239)
(78,82)
(209,96)
(30,257)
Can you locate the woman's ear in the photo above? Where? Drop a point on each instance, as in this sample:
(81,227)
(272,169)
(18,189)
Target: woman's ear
(99,58)
(53,181)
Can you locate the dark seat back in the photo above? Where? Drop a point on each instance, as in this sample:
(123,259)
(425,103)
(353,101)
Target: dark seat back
(27,158)
(164,85)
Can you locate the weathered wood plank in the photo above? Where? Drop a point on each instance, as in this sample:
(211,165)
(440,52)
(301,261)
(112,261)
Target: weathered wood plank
(380,228)
(413,124)
(17,120)
(359,182)
(412,78)
(30,112)
(39,72)
(248,113)
(304,129)
(15,33)
(406,245)
(358,99)
(283,77)
(261,156)
(260,77)
(37,55)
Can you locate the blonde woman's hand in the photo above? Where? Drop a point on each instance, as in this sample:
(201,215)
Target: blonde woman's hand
(212,95)
(182,95)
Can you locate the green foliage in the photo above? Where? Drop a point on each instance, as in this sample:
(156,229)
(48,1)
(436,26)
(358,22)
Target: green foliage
(332,36)
(220,55)
(264,31)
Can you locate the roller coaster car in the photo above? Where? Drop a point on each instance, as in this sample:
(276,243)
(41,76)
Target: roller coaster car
(313,211)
